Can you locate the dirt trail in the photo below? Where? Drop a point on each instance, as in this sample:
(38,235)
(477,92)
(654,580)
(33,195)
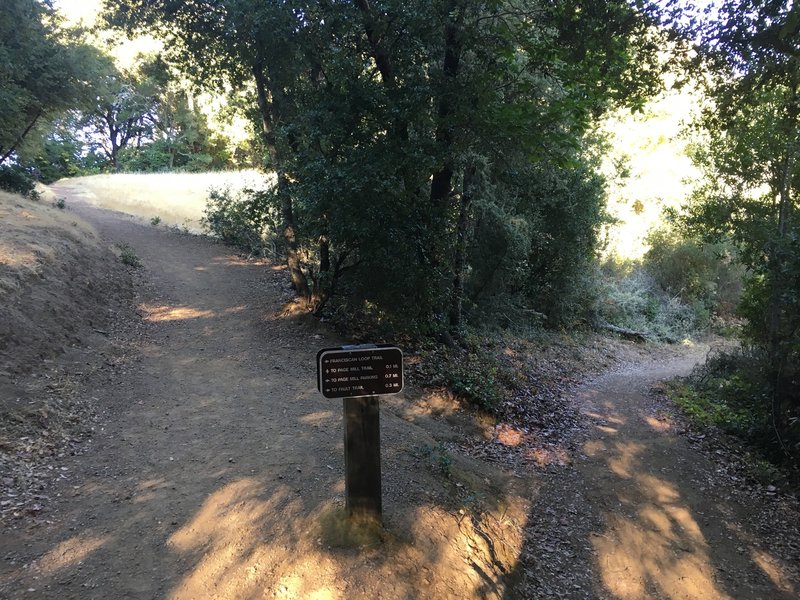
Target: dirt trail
(646,514)
(194,434)
(219,475)
(219,472)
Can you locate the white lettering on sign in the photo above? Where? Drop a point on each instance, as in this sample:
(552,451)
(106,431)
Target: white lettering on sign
(357,371)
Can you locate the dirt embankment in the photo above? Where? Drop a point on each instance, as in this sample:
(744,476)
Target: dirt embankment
(62,295)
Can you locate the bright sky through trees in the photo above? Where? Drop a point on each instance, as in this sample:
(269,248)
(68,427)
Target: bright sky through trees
(77,11)
(657,167)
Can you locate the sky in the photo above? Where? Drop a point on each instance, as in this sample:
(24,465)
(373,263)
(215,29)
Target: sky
(77,10)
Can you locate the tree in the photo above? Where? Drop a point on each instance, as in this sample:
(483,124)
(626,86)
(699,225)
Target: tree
(123,110)
(229,42)
(42,71)
(394,127)
(752,52)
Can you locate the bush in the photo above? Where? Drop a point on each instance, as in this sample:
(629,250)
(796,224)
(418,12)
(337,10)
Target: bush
(476,378)
(245,220)
(128,256)
(731,391)
(704,276)
(18,180)
(58,157)
(630,297)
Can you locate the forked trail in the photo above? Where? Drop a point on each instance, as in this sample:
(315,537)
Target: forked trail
(219,475)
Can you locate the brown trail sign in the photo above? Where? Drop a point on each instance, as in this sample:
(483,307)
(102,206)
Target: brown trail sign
(359,374)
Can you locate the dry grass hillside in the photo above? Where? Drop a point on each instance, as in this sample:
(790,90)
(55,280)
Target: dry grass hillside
(176,199)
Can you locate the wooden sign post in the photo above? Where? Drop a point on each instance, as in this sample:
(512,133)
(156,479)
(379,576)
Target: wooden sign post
(359,375)
(362,457)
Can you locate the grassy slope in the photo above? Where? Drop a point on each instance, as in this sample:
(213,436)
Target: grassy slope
(177,199)
(33,235)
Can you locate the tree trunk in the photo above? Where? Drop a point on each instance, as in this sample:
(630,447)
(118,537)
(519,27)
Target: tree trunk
(462,242)
(324,254)
(299,280)
(21,137)
(441,184)
(775,314)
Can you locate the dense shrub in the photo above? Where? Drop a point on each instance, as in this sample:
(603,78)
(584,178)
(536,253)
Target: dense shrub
(243,219)
(731,391)
(702,275)
(630,297)
(166,155)
(532,254)
(18,180)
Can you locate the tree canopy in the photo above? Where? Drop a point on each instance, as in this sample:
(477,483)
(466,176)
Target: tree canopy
(751,158)
(43,70)
(431,154)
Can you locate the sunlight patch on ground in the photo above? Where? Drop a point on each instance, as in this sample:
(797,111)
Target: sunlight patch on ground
(251,545)
(773,567)
(295,587)
(659,489)
(659,425)
(70,552)
(605,417)
(245,542)
(636,557)
(606,429)
(657,549)
(156,314)
(509,435)
(16,257)
(594,448)
(317,417)
(549,456)
(626,459)
(773,570)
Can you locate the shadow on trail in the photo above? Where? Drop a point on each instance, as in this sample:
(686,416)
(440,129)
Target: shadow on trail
(647,518)
(219,472)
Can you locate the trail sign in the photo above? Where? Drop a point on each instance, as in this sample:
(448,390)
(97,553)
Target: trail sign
(357,371)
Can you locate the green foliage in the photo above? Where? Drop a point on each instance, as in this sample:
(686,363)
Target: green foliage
(430,157)
(60,203)
(705,276)
(44,71)
(632,299)
(128,256)
(18,180)
(715,409)
(180,139)
(55,158)
(475,377)
(750,153)
(245,220)
(731,391)
(474,374)
(438,456)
